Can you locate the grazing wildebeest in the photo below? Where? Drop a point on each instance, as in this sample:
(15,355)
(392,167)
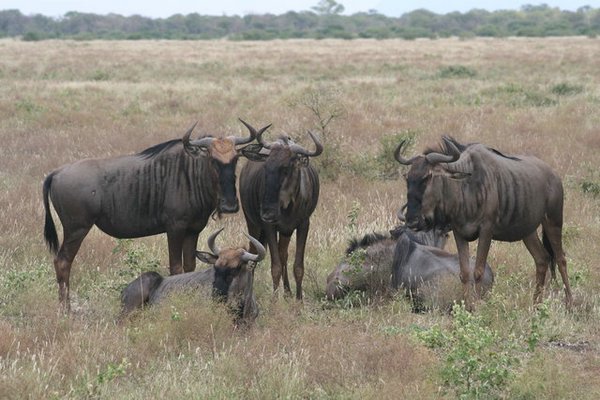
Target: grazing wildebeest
(230,280)
(279,190)
(405,259)
(172,187)
(480,193)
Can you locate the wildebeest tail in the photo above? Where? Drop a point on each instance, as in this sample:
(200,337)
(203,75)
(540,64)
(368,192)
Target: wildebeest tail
(138,292)
(548,248)
(49,227)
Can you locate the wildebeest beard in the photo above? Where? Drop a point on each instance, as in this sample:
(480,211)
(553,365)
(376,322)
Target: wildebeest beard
(222,282)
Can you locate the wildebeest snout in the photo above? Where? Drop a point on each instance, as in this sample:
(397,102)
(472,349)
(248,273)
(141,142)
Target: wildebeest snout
(229,206)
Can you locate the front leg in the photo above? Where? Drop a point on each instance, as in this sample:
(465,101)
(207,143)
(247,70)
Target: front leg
(466,274)
(175,242)
(483,248)
(271,236)
(190,244)
(301,236)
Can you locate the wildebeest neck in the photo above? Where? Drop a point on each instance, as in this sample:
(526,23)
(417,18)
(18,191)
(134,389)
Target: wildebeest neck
(228,201)
(279,172)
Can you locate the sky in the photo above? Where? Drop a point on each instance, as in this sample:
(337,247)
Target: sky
(166,8)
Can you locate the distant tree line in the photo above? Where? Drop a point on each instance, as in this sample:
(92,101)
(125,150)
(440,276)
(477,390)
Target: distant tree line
(320,22)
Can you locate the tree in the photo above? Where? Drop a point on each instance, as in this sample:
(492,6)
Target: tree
(328,7)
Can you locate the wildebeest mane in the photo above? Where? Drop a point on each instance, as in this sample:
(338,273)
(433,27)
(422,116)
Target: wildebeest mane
(498,153)
(443,148)
(158,148)
(161,147)
(366,241)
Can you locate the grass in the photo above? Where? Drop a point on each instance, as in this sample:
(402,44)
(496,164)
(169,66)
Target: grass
(65,100)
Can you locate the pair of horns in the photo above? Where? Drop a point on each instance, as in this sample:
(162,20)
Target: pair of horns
(246,256)
(295,148)
(237,140)
(432,158)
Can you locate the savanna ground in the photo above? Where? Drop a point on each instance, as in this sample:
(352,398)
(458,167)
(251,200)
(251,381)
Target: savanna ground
(64,100)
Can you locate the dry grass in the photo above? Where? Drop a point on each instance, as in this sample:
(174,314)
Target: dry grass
(64,100)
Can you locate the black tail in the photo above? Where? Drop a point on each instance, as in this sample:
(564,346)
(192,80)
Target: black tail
(49,227)
(138,292)
(548,248)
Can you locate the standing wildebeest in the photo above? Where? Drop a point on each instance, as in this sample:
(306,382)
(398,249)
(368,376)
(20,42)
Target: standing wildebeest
(483,194)
(279,190)
(172,187)
(230,280)
(405,259)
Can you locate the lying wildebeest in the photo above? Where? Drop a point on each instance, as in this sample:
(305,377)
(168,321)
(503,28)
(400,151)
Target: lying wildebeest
(279,190)
(405,259)
(172,187)
(230,280)
(480,193)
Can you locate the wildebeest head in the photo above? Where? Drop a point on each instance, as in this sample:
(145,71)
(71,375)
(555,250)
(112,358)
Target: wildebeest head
(424,190)
(234,275)
(284,161)
(223,155)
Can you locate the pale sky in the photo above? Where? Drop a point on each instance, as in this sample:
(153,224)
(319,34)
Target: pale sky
(166,8)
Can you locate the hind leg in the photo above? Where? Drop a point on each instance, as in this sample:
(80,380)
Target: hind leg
(542,262)
(554,235)
(63,261)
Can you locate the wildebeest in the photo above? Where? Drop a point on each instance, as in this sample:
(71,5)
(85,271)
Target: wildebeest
(230,280)
(172,187)
(480,193)
(409,260)
(279,190)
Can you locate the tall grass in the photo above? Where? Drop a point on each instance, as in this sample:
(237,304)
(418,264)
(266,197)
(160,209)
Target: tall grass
(63,100)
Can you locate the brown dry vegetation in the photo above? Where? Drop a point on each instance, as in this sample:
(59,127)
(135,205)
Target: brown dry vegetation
(65,100)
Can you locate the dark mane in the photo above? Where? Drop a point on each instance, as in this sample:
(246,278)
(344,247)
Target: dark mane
(503,155)
(158,148)
(366,241)
(443,148)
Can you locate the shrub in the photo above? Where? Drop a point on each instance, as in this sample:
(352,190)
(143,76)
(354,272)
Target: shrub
(566,89)
(478,363)
(456,71)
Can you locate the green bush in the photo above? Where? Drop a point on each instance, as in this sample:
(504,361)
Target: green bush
(456,71)
(566,89)
(478,363)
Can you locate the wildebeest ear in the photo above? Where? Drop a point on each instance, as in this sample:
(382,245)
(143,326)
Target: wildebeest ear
(206,257)
(255,152)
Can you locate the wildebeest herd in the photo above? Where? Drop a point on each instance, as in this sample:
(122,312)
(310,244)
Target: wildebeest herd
(474,191)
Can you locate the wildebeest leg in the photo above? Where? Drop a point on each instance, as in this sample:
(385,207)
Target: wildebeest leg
(301,235)
(466,274)
(175,241)
(255,232)
(542,261)
(554,235)
(190,243)
(271,236)
(283,245)
(63,260)
(483,248)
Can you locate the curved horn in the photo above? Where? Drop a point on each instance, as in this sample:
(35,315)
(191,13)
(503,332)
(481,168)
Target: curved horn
(260,139)
(186,137)
(211,242)
(204,142)
(259,248)
(401,159)
(301,150)
(435,158)
(253,133)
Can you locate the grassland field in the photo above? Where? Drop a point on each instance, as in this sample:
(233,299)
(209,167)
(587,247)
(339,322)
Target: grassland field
(61,101)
